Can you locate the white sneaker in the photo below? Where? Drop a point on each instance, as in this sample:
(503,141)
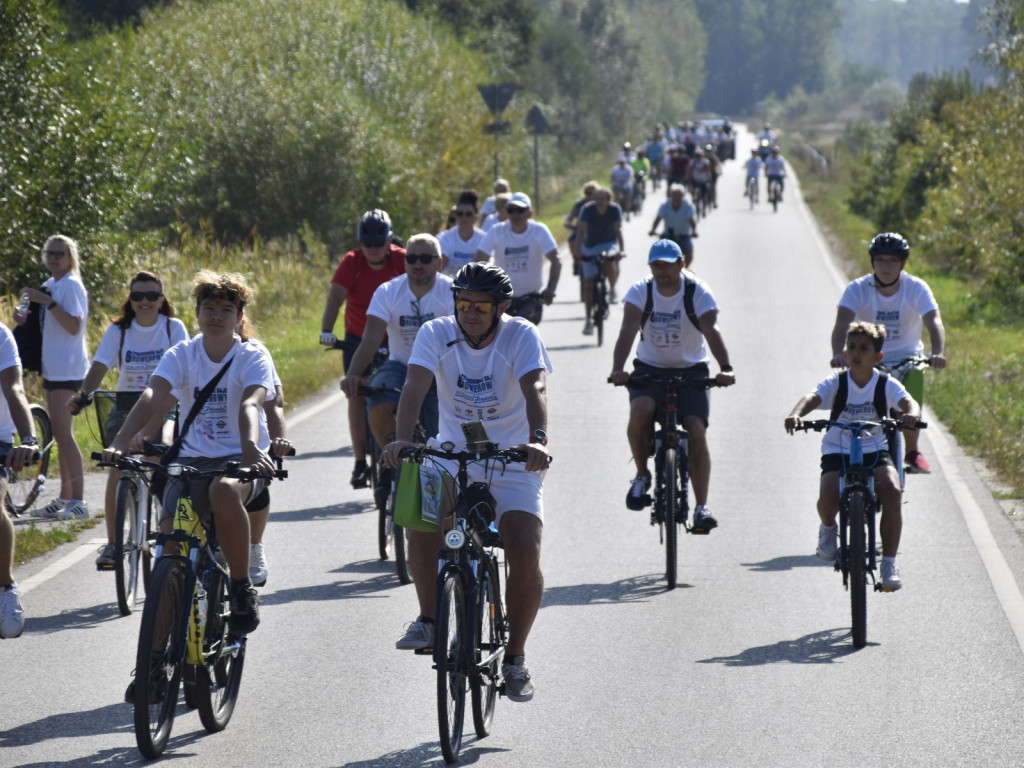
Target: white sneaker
(891,579)
(418,636)
(50,511)
(12,615)
(703,520)
(74,510)
(613,297)
(257,565)
(828,545)
(588,328)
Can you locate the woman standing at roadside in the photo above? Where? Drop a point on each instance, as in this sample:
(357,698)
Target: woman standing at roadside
(65,306)
(133,344)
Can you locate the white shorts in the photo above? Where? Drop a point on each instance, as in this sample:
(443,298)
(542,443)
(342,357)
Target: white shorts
(512,486)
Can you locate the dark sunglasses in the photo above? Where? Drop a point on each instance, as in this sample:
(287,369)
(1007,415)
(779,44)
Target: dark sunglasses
(375,244)
(422,258)
(144,295)
(56,254)
(465,213)
(511,210)
(482,307)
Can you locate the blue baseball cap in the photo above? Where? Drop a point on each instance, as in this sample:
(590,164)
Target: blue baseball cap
(665,250)
(520,200)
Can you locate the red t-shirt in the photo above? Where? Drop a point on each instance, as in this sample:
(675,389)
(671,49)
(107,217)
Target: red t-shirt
(355,275)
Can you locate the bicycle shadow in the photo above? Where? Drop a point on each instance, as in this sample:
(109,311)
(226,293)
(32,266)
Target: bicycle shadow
(330,512)
(425,754)
(572,347)
(825,647)
(377,586)
(631,590)
(788,563)
(83,618)
(111,718)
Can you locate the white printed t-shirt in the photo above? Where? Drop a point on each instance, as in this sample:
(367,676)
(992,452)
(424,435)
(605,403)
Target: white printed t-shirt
(900,313)
(458,252)
(481,384)
(860,406)
(520,255)
(395,304)
(8,359)
(141,351)
(669,338)
(65,357)
(187,368)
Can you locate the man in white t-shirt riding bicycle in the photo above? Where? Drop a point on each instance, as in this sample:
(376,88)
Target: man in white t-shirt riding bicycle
(492,368)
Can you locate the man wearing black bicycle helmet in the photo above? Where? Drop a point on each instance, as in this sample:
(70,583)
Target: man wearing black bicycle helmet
(359,274)
(490,368)
(904,304)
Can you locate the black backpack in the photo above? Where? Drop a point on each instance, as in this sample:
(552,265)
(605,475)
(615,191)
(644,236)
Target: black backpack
(29,338)
(689,286)
(844,389)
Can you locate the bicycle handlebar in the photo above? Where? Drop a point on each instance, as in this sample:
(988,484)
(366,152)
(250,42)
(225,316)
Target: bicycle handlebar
(232,469)
(637,380)
(856,426)
(489,452)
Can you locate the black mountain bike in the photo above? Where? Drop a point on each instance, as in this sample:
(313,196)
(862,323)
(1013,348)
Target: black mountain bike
(774,192)
(671,465)
(858,549)
(184,634)
(599,308)
(470,630)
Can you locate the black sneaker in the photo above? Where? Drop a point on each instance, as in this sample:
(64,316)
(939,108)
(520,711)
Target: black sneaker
(245,609)
(157,685)
(360,474)
(638,496)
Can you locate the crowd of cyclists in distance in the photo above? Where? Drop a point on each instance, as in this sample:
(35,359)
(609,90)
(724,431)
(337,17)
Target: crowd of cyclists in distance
(460,310)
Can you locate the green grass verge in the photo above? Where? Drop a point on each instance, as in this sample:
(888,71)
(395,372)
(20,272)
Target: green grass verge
(978,395)
(34,541)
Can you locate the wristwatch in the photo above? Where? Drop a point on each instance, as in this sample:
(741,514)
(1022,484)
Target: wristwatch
(539,436)
(30,440)
(726,369)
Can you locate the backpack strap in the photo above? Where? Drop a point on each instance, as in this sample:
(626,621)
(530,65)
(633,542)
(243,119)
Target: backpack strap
(689,288)
(844,388)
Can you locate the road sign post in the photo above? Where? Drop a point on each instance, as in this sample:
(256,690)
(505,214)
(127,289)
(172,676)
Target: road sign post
(497,96)
(536,124)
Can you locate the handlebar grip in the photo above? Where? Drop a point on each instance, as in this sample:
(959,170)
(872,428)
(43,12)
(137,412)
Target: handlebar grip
(97,456)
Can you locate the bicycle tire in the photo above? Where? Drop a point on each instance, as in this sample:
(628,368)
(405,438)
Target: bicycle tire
(600,308)
(752,192)
(483,684)
(217,682)
(857,508)
(399,543)
(670,475)
(380,500)
(156,692)
(24,487)
(127,552)
(450,662)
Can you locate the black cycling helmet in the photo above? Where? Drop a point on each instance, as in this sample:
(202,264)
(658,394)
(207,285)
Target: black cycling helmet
(375,226)
(486,278)
(889,242)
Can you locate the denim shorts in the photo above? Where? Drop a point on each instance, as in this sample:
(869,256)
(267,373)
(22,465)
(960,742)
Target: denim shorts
(590,267)
(392,376)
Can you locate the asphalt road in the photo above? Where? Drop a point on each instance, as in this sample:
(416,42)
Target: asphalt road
(747,663)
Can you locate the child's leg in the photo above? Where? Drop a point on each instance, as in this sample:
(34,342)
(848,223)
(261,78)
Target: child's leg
(828,498)
(887,488)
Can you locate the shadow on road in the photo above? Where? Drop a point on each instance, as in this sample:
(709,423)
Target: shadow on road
(823,647)
(635,589)
(83,618)
(788,563)
(331,512)
(424,754)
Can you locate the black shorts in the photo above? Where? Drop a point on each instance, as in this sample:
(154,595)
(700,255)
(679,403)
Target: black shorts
(347,353)
(74,385)
(834,462)
(690,402)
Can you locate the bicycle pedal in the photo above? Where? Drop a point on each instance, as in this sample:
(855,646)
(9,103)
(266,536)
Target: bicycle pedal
(699,531)
(423,652)
(104,567)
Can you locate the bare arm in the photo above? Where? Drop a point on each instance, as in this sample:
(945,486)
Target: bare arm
(713,336)
(937,333)
(804,405)
(553,274)
(152,399)
(336,296)
(89,385)
(14,394)
(534,389)
(417,384)
(844,317)
(373,335)
(249,428)
(631,315)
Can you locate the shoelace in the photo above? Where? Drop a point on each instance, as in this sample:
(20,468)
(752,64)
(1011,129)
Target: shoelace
(639,487)
(516,671)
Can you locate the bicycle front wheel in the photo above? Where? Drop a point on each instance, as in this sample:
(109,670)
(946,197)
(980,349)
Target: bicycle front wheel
(450,654)
(600,308)
(24,487)
(483,684)
(384,520)
(127,552)
(217,682)
(858,577)
(670,477)
(398,543)
(158,660)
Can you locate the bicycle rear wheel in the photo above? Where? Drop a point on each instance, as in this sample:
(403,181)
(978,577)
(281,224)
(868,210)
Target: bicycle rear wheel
(857,508)
(398,542)
(217,682)
(381,495)
(483,685)
(450,653)
(600,308)
(24,487)
(127,550)
(752,191)
(670,477)
(158,660)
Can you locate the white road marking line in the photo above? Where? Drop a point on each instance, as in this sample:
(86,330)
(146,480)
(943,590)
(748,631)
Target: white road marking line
(295,419)
(81,551)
